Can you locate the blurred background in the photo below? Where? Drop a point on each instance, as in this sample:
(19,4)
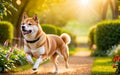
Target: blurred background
(94,27)
(73,16)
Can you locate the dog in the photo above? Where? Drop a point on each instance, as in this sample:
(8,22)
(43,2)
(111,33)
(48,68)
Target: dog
(42,46)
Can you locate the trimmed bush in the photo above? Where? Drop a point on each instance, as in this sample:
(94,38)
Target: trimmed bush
(6,32)
(91,36)
(107,35)
(59,31)
(49,29)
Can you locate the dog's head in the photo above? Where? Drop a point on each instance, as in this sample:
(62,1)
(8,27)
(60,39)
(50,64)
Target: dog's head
(29,25)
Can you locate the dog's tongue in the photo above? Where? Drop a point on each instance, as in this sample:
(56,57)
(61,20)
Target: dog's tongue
(25,32)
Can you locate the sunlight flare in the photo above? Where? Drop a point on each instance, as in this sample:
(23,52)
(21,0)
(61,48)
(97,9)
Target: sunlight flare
(84,2)
(18,2)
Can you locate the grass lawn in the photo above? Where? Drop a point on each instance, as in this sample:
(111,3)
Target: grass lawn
(102,66)
(21,68)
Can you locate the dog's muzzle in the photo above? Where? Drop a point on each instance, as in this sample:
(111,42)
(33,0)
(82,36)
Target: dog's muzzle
(25,31)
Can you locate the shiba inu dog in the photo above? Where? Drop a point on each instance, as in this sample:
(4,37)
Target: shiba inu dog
(40,45)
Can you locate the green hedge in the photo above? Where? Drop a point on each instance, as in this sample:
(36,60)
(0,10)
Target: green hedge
(91,36)
(107,34)
(6,32)
(59,31)
(49,29)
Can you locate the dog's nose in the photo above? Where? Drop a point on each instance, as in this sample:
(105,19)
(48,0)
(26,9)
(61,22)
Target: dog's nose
(23,28)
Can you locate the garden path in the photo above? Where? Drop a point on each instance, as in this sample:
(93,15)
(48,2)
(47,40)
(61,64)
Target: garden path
(79,64)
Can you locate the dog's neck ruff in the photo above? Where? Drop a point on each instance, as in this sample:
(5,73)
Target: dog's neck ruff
(33,41)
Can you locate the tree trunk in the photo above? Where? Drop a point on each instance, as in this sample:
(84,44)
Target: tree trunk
(104,11)
(114,8)
(18,35)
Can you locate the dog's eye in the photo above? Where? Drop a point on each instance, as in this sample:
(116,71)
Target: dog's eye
(23,23)
(29,24)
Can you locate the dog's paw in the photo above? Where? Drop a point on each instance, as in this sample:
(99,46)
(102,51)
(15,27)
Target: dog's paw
(35,71)
(55,72)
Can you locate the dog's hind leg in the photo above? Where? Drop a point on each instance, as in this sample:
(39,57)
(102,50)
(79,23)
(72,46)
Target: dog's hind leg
(65,53)
(54,60)
(66,61)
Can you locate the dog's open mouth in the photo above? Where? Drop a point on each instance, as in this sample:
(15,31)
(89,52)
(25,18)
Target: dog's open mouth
(26,31)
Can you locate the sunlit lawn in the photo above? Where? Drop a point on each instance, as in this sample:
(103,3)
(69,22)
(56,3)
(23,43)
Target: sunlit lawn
(102,66)
(21,68)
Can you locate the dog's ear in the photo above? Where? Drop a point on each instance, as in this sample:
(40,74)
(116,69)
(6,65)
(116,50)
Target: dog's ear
(24,16)
(35,18)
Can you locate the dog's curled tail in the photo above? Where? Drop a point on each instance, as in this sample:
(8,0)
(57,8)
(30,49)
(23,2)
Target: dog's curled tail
(66,38)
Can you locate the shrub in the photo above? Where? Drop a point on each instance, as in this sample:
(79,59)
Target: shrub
(16,59)
(6,32)
(102,53)
(107,34)
(116,61)
(49,29)
(91,36)
(59,31)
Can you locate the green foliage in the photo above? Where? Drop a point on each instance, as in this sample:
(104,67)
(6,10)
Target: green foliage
(107,34)
(5,6)
(49,29)
(102,53)
(6,32)
(91,36)
(59,31)
(16,58)
(118,52)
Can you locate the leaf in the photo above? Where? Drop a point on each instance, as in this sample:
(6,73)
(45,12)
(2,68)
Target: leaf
(0,69)
(5,12)
(9,12)
(11,6)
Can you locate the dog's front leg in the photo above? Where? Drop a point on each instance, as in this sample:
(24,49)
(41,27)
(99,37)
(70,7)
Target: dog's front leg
(29,59)
(38,61)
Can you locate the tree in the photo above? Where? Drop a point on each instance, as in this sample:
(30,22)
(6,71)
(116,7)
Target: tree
(28,6)
(114,8)
(5,6)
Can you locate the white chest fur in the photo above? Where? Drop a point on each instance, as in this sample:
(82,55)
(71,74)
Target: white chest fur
(39,51)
